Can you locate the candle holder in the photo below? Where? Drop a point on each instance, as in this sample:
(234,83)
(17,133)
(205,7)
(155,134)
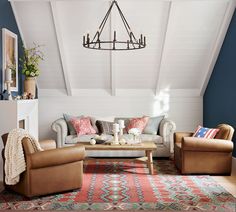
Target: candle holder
(116,137)
(8,83)
(121,127)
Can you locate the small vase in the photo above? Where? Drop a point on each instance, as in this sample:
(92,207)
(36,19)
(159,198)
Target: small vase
(30,85)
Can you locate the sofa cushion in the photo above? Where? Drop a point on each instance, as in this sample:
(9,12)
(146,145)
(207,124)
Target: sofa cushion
(70,126)
(73,139)
(93,122)
(126,120)
(83,126)
(153,125)
(203,132)
(105,127)
(146,137)
(139,123)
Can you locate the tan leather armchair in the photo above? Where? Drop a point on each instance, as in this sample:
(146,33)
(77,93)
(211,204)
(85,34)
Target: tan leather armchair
(204,156)
(49,171)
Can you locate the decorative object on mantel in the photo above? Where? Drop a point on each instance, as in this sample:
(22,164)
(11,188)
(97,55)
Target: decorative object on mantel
(9,61)
(31,59)
(132,43)
(4,95)
(8,81)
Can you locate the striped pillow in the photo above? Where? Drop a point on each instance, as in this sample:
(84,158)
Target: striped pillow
(105,127)
(203,132)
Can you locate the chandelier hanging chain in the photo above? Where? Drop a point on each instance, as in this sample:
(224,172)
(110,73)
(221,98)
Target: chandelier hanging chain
(130,44)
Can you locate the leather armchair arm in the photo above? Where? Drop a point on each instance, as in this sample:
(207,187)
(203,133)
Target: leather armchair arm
(206,145)
(167,128)
(179,135)
(56,157)
(47,144)
(60,127)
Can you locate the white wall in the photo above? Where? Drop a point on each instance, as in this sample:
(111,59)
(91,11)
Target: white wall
(185,111)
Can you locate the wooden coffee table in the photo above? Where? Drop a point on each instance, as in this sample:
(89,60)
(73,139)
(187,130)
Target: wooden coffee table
(148,147)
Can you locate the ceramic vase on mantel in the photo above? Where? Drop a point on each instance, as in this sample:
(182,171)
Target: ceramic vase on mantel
(30,85)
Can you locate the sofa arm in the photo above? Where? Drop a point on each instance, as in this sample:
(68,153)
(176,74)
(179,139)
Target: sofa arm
(56,157)
(60,127)
(166,130)
(206,145)
(178,136)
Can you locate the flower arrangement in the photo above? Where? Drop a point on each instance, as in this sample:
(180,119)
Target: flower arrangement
(30,61)
(134,131)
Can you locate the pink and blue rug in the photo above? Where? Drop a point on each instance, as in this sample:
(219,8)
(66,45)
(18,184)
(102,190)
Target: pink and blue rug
(110,185)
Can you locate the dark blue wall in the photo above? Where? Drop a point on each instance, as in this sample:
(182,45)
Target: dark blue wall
(220,95)
(7,20)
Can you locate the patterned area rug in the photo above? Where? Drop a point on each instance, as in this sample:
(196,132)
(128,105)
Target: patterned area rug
(110,185)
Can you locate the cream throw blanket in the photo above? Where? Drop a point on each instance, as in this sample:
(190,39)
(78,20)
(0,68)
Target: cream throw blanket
(14,155)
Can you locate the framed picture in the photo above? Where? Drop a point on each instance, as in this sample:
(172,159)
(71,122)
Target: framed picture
(10,58)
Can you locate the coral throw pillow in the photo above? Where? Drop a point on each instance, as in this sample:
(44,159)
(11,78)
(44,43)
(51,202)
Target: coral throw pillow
(83,126)
(139,123)
(203,132)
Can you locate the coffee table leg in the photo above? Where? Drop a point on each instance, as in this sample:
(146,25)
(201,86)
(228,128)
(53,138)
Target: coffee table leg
(149,161)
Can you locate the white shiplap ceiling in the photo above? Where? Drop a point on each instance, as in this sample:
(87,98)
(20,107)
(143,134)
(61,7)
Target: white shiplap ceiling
(183,42)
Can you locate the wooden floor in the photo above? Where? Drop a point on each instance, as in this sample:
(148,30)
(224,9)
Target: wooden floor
(228,182)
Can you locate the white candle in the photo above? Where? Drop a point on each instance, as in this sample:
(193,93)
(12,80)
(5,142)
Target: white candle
(8,75)
(115,128)
(121,123)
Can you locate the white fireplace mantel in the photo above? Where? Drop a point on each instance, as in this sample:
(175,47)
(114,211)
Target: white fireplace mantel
(16,114)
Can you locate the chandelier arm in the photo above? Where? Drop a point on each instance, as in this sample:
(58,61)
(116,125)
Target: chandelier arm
(104,21)
(128,29)
(125,21)
(129,32)
(106,17)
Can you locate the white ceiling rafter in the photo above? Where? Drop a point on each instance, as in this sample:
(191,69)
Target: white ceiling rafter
(168,63)
(223,28)
(159,68)
(61,48)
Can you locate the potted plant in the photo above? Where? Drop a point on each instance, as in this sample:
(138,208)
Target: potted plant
(30,61)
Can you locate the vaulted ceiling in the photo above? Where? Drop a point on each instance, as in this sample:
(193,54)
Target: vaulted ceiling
(184,38)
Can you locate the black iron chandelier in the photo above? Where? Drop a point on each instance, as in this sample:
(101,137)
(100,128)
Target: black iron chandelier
(132,43)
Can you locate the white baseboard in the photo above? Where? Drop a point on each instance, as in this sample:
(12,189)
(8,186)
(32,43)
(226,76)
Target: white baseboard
(233,166)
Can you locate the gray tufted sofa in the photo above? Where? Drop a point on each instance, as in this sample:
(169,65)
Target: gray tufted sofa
(164,140)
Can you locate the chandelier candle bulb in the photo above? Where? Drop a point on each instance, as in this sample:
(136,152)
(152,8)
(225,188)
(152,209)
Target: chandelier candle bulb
(84,40)
(114,35)
(130,35)
(144,42)
(141,38)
